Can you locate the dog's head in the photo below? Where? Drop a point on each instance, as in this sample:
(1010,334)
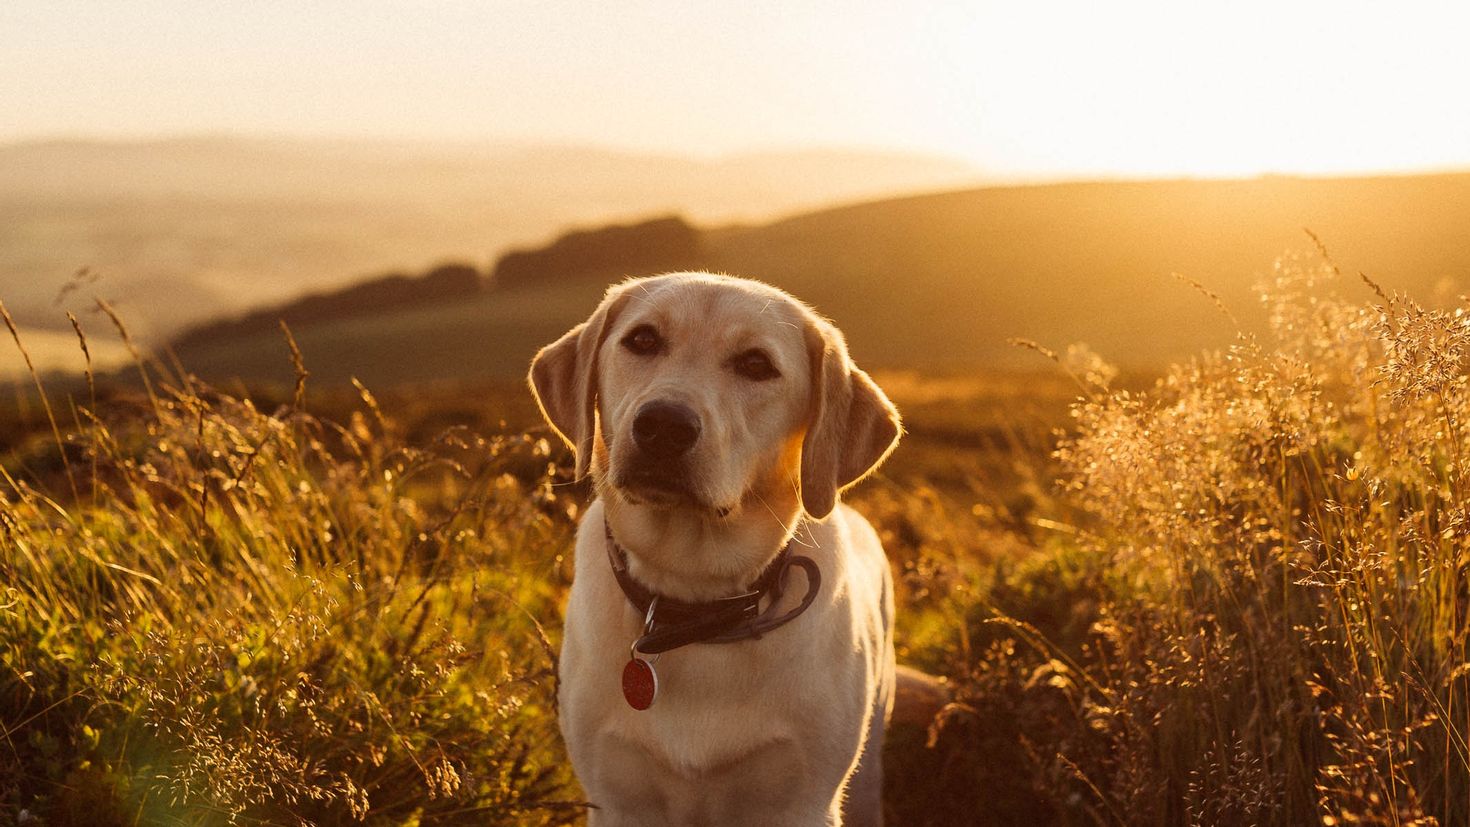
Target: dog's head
(712,393)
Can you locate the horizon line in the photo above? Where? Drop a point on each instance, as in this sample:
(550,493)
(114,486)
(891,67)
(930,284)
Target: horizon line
(986,176)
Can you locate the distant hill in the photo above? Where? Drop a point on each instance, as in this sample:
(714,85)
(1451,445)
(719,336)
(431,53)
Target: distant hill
(377,296)
(186,230)
(942,281)
(605,254)
(946,279)
(594,256)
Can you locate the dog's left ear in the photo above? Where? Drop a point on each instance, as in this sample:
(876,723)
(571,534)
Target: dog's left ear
(852,428)
(563,379)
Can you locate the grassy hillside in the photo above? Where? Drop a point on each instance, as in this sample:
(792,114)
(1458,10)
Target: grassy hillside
(1244,603)
(942,281)
(945,279)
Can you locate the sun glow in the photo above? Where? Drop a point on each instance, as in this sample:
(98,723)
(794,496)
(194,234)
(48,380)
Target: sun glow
(1044,89)
(1199,89)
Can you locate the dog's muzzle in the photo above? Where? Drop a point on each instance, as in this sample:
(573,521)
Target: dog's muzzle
(665,430)
(663,435)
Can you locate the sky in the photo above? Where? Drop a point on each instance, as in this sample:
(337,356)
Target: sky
(1020,89)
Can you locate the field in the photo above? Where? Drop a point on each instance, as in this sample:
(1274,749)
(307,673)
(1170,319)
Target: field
(1230,593)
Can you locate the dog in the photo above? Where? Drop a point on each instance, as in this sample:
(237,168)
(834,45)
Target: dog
(728,653)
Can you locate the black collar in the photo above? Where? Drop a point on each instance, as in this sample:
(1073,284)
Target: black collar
(671,623)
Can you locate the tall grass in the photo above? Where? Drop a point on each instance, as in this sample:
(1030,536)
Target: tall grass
(1277,539)
(248,617)
(1235,596)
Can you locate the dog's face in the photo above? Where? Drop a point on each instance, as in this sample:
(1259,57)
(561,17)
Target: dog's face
(711,393)
(704,388)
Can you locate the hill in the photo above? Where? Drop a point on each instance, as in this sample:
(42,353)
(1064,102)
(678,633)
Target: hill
(185,230)
(383,294)
(940,282)
(946,279)
(606,253)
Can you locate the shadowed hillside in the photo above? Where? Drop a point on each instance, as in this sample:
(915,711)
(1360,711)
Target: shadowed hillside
(607,254)
(942,281)
(185,230)
(946,279)
(384,294)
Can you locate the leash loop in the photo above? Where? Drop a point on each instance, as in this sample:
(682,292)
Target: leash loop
(765,623)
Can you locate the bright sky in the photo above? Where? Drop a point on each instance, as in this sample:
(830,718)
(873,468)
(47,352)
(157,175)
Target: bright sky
(1020,88)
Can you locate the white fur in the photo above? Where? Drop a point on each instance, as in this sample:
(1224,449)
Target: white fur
(785,729)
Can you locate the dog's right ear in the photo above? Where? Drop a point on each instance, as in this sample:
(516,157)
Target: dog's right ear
(563,379)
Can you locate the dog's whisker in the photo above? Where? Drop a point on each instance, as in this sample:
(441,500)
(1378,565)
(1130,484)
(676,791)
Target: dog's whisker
(785,529)
(805,525)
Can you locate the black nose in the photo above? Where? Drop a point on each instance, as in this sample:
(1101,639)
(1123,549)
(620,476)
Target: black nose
(665,430)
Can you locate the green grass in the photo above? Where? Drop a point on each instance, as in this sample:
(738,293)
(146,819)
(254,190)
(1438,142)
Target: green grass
(1234,595)
(252,618)
(1259,615)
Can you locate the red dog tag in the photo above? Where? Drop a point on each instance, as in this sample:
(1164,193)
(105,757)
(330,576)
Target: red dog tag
(640,684)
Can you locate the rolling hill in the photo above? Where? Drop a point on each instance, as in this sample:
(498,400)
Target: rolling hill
(184,230)
(941,281)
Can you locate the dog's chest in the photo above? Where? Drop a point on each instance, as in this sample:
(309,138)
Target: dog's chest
(716,703)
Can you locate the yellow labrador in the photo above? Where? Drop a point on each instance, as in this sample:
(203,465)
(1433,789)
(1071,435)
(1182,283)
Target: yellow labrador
(728,657)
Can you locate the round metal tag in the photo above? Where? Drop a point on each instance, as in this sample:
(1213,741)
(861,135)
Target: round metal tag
(640,683)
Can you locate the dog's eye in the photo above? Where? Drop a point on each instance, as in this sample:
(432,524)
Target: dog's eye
(755,365)
(643,340)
